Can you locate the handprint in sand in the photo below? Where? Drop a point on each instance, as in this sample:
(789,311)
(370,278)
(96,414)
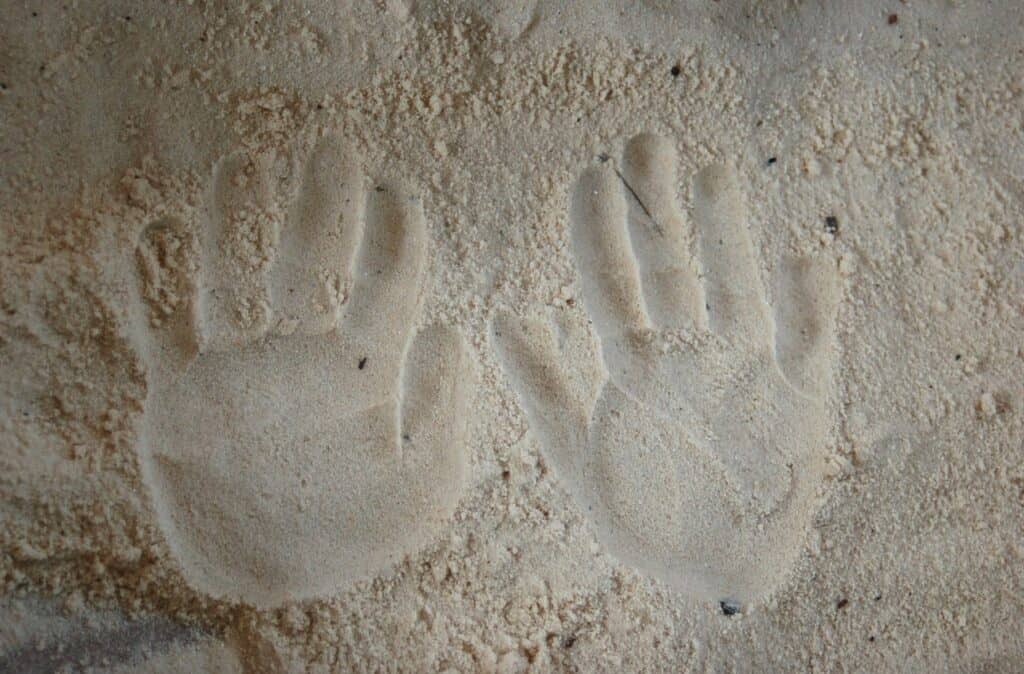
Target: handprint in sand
(698,453)
(298,433)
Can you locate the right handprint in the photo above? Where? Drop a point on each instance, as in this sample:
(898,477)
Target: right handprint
(699,456)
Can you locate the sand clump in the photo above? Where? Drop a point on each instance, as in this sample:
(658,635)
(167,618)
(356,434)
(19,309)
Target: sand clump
(659,338)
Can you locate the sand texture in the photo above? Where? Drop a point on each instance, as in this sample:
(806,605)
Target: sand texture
(450,336)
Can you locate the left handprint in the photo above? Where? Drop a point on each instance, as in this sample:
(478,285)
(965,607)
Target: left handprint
(298,434)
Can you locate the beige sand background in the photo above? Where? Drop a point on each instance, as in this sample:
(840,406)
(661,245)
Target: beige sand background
(903,121)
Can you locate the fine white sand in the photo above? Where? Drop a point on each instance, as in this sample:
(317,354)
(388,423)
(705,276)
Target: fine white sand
(432,336)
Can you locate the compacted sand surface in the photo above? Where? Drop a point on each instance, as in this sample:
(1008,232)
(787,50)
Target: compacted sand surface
(427,336)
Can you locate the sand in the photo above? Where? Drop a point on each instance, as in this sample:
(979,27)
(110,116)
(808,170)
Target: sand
(465,337)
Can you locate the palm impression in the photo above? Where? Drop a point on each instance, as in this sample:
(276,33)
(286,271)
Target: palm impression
(296,435)
(698,456)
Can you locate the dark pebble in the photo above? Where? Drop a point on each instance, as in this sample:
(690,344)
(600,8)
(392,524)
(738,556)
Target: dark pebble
(729,606)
